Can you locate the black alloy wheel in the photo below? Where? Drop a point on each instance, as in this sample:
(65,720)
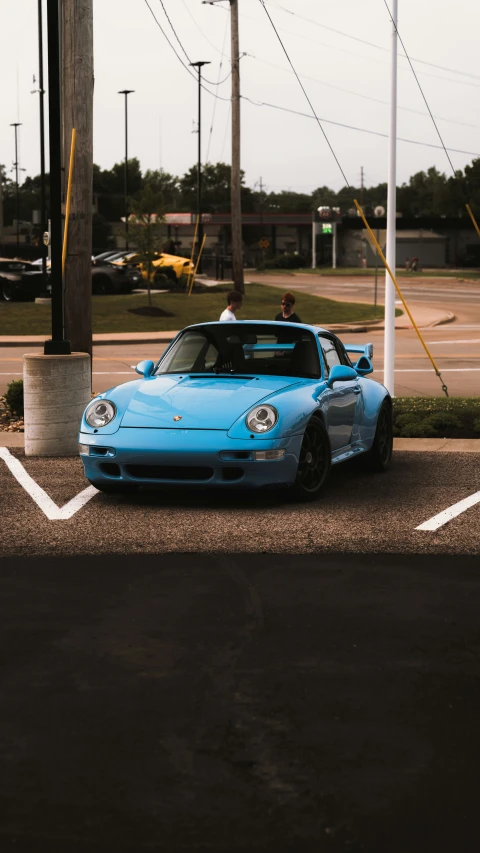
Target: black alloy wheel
(314,463)
(379,457)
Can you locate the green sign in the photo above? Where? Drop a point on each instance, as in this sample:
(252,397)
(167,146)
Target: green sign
(327,228)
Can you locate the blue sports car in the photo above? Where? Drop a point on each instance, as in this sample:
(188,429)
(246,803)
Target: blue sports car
(240,404)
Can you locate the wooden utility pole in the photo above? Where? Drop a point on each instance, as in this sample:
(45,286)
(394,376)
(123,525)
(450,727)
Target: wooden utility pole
(236,202)
(77,109)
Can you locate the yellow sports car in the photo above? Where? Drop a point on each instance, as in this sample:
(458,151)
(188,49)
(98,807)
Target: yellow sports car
(180,266)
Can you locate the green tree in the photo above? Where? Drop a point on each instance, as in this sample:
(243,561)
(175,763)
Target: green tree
(146,229)
(109,188)
(216,182)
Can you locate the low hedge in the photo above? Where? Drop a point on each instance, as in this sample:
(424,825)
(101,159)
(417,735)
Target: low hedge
(413,417)
(436,417)
(14,397)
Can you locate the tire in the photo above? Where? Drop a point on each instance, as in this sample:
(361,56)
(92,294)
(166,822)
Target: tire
(379,457)
(169,272)
(314,463)
(101,285)
(115,488)
(8,291)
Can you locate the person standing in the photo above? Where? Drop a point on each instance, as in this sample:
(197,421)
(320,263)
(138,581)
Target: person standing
(234,302)
(287,313)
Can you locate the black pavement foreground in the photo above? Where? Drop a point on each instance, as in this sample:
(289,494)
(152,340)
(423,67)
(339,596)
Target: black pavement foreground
(234,703)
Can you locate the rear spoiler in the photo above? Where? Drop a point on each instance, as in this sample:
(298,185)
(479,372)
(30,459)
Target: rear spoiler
(366,349)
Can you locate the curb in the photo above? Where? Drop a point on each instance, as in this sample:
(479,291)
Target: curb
(167,337)
(425,445)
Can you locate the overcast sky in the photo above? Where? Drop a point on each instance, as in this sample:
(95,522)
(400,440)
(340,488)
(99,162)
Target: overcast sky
(340,48)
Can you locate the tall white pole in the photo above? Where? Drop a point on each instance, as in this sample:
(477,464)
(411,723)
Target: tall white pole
(389,343)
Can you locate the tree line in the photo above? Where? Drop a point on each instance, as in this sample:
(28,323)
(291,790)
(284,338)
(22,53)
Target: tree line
(430,193)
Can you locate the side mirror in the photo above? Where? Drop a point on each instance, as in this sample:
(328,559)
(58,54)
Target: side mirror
(363,366)
(145,368)
(341,373)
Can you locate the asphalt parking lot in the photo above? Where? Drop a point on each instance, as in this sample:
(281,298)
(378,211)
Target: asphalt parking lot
(358,513)
(238,673)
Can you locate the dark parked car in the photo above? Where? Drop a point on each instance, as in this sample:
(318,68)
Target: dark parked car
(20,280)
(110,278)
(107,278)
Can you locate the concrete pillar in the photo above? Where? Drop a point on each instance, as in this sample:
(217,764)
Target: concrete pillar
(57,388)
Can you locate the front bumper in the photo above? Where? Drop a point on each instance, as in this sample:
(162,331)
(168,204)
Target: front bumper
(204,458)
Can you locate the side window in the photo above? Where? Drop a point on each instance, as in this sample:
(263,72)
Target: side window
(330,354)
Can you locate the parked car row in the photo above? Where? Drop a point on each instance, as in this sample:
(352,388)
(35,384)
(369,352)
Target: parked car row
(172,266)
(22,280)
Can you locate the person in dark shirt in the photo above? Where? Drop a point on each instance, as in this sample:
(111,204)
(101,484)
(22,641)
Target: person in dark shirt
(287,314)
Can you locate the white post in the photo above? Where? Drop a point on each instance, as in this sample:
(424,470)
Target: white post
(314,242)
(389,341)
(334,245)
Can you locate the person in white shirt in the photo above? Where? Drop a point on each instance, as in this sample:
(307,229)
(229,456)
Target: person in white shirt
(234,302)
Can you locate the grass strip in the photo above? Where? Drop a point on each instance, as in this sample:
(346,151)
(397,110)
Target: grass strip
(113,313)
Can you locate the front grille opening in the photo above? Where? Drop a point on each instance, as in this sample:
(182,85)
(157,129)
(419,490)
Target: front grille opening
(234,455)
(111,469)
(232,473)
(101,451)
(170,472)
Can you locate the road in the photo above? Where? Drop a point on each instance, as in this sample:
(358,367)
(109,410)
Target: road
(455,346)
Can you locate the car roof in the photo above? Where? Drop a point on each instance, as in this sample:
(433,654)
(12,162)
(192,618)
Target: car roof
(275,323)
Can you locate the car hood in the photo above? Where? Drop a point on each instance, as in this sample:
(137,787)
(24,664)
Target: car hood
(200,402)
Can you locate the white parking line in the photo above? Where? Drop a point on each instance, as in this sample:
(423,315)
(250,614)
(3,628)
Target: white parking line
(447,514)
(44,501)
(472,341)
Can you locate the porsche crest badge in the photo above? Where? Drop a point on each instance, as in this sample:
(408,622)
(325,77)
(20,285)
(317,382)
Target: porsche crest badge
(177,418)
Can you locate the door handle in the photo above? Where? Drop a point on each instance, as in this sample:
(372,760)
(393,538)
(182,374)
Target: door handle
(357,390)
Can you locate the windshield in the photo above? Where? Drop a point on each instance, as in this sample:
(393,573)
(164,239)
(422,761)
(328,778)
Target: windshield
(249,350)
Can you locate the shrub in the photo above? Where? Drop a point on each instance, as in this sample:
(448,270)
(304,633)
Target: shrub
(14,397)
(408,418)
(416,429)
(476,425)
(443,421)
(285,262)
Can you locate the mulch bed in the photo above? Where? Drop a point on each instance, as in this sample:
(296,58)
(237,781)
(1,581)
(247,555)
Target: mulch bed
(8,421)
(150,311)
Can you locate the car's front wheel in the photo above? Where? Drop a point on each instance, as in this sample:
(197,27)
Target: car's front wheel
(314,463)
(8,291)
(115,488)
(379,457)
(101,285)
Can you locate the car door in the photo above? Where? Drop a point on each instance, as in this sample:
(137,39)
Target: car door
(340,402)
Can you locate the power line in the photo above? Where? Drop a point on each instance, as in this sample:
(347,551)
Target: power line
(421,90)
(178,56)
(262,2)
(173,30)
(216,93)
(210,82)
(354,127)
(369,43)
(362,56)
(359,94)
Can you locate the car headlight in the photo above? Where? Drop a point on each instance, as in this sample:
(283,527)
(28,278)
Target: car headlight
(262,418)
(100,413)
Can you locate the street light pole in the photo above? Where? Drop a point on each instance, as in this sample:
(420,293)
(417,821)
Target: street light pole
(41,92)
(126,92)
(199,65)
(15,125)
